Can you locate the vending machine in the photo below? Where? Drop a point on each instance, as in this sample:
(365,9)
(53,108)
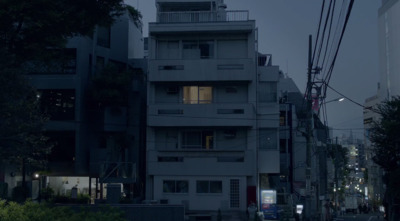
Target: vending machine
(268,204)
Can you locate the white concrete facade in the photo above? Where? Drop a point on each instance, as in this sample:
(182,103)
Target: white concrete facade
(213,115)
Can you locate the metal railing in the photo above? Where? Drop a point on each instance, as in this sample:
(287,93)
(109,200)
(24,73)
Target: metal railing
(202,16)
(126,170)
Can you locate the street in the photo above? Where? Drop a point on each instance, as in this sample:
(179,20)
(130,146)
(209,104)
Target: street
(361,217)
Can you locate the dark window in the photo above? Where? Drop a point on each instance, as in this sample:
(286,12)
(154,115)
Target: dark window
(282,145)
(206,186)
(230,111)
(198,49)
(197,140)
(64,146)
(175,186)
(170,159)
(171,67)
(58,104)
(282,118)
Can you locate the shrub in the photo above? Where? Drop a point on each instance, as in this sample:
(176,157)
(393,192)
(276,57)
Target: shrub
(30,211)
(19,193)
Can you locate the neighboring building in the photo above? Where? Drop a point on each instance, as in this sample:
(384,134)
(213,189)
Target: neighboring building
(389,48)
(389,72)
(375,173)
(293,147)
(213,114)
(95,142)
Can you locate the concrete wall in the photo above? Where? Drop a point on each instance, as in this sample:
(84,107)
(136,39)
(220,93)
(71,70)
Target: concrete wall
(202,201)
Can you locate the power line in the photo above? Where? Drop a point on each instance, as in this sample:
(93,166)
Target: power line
(329,75)
(351,100)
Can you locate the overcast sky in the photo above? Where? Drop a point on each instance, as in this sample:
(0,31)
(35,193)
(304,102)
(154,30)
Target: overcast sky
(284,27)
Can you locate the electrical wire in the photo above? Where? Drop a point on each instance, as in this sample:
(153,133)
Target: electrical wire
(329,75)
(351,100)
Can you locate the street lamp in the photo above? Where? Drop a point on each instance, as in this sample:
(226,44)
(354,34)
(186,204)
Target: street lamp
(38,177)
(339,99)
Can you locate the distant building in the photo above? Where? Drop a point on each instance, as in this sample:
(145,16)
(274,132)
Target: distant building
(389,72)
(375,173)
(96,142)
(213,112)
(389,49)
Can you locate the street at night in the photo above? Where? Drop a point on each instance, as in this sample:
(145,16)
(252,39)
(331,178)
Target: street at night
(361,217)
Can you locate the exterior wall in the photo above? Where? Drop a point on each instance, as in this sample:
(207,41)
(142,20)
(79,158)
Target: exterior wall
(232,115)
(202,201)
(389,49)
(375,173)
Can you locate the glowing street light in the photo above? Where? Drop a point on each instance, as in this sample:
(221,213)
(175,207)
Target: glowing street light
(339,99)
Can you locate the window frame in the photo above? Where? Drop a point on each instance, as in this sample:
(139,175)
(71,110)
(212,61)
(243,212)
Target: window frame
(203,134)
(209,188)
(175,186)
(186,92)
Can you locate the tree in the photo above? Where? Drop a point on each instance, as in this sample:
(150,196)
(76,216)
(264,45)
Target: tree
(28,27)
(21,124)
(386,148)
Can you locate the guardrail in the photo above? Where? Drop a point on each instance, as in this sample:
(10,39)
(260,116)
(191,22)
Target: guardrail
(202,16)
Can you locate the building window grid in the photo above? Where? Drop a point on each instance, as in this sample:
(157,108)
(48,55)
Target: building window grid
(175,186)
(209,186)
(197,94)
(198,139)
(234,194)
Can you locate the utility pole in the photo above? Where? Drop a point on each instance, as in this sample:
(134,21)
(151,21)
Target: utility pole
(309,131)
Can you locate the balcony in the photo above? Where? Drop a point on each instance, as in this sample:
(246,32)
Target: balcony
(201,70)
(210,163)
(190,22)
(117,172)
(201,115)
(202,16)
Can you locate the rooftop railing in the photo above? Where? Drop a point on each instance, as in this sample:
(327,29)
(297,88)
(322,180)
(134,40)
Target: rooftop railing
(202,16)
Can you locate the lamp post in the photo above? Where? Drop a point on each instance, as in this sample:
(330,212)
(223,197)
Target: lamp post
(38,177)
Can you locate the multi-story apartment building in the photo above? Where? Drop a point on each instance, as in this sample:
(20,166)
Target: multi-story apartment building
(213,114)
(85,131)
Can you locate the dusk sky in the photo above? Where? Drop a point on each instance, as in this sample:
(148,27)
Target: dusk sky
(283,30)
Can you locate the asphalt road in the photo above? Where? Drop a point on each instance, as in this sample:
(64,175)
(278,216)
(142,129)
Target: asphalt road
(361,217)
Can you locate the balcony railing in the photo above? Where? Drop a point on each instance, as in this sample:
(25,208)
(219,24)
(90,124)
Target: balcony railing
(202,16)
(110,171)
